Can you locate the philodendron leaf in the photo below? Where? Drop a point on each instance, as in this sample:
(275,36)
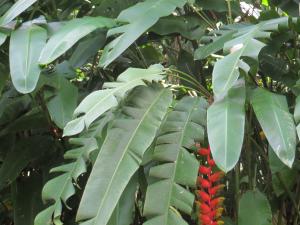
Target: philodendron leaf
(69,34)
(277,123)
(134,129)
(245,44)
(100,101)
(15,10)
(177,167)
(140,18)
(225,126)
(25,47)
(254,208)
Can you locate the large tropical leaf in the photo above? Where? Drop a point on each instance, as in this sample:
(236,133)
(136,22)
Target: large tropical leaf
(63,104)
(135,128)
(245,44)
(254,208)
(140,18)
(61,188)
(100,101)
(177,167)
(225,126)
(15,10)
(69,34)
(277,123)
(25,47)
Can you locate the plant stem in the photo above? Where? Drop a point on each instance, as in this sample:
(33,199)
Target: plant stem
(230,20)
(237,189)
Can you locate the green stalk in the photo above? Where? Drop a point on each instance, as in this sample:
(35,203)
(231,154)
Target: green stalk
(237,189)
(230,20)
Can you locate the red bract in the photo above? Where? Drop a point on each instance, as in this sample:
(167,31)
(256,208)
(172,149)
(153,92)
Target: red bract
(209,203)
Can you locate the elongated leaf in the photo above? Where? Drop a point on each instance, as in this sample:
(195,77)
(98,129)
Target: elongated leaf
(116,163)
(181,129)
(25,151)
(217,44)
(297,115)
(100,101)
(123,213)
(15,10)
(225,127)
(26,198)
(25,47)
(69,34)
(254,208)
(277,123)
(61,188)
(245,44)
(140,18)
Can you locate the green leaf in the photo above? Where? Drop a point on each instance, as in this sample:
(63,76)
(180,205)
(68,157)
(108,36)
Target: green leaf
(61,188)
(140,18)
(245,44)
(25,151)
(177,167)
(277,123)
(63,104)
(225,126)
(69,34)
(15,10)
(26,198)
(190,27)
(254,208)
(287,175)
(123,213)
(217,44)
(135,128)
(2,38)
(297,115)
(100,101)
(25,47)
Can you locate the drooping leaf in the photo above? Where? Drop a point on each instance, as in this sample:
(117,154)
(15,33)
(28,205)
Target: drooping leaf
(177,167)
(189,27)
(69,34)
(254,208)
(61,188)
(140,18)
(277,123)
(100,101)
(225,126)
(15,10)
(63,104)
(24,152)
(217,44)
(245,44)
(26,198)
(117,161)
(25,47)
(287,175)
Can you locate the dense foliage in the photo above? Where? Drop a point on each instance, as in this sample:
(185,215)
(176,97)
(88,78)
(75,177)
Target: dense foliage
(153,112)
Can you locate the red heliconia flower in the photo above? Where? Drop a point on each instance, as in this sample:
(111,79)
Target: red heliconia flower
(204,170)
(209,203)
(204,183)
(204,196)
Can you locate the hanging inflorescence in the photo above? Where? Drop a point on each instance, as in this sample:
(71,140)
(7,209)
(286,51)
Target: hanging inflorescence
(209,187)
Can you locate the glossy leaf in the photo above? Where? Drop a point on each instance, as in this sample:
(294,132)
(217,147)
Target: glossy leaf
(254,208)
(69,34)
(100,101)
(25,47)
(140,18)
(135,129)
(225,127)
(177,167)
(15,10)
(277,123)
